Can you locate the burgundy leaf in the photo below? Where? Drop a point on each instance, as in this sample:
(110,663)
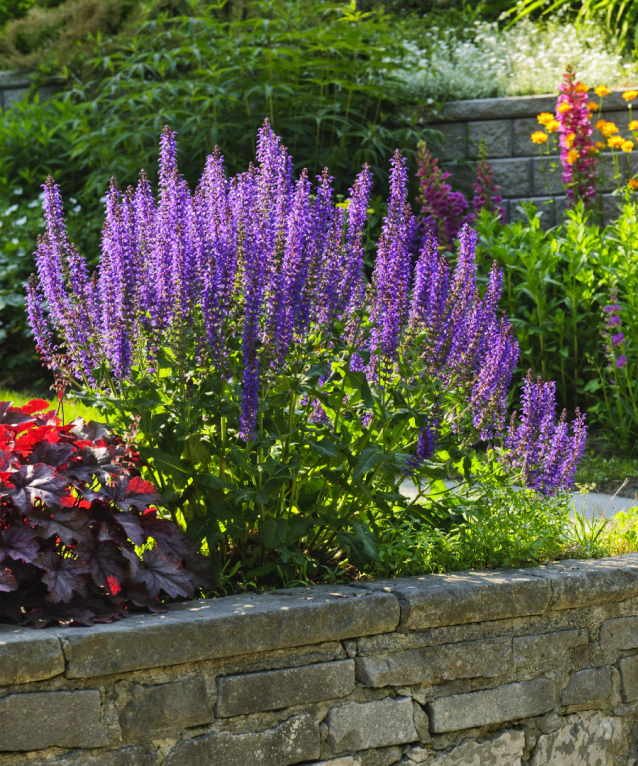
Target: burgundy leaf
(200,567)
(70,526)
(63,576)
(12,416)
(166,534)
(55,454)
(132,525)
(37,481)
(91,431)
(106,564)
(136,492)
(7,580)
(160,572)
(20,543)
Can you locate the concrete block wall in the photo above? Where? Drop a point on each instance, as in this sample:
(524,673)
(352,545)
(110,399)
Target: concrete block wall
(503,668)
(14,86)
(506,124)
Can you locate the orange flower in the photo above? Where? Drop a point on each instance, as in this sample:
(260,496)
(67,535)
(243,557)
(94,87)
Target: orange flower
(601,124)
(602,90)
(627,146)
(633,125)
(569,140)
(539,137)
(616,142)
(563,107)
(593,106)
(581,87)
(572,156)
(630,95)
(633,184)
(609,129)
(553,126)
(601,144)
(544,118)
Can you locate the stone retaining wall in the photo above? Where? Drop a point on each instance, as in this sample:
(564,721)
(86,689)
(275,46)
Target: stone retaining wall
(14,86)
(536,666)
(506,124)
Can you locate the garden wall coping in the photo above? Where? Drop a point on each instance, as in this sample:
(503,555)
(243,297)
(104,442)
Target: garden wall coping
(209,629)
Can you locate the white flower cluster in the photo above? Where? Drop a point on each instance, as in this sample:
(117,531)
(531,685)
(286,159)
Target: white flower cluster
(527,58)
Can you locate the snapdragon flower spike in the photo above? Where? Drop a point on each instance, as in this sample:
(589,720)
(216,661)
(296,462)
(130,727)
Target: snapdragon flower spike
(539,447)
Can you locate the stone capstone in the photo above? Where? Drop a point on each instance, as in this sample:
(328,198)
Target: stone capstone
(27,655)
(432,664)
(628,667)
(273,689)
(362,726)
(584,740)
(484,708)
(293,741)
(215,628)
(505,749)
(34,721)
(589,686)
(165,707)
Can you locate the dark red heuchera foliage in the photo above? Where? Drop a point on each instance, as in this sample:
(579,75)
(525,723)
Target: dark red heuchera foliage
(73,511)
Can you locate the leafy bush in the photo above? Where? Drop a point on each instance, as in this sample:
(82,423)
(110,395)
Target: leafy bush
(75,514)
(279,400)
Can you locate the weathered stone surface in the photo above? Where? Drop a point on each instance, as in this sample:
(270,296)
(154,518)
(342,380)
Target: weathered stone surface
(26,656)
(588,686)
(505,703)
(164,707)
(214,628)
(514,176)
(385,756)
(547,648)
(34,721)
(619,633)
(584,740)
(346,760)
(453,142)
(628,667)
(505,749)
(546,180)
(497,135)
(356,726)
(467,659)
(421,722)
(127,756)
(273,689)
(429,601)
(293,741)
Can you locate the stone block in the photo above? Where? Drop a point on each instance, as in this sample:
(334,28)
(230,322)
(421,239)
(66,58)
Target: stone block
(166,707)
(497,135)
(38,720)
(128,756)
(222,627)
(618,634)
(274,689)
(498,108)
(463,176)
(545,210)
(547,175)
(452,144)
(362,726)
(9,97)
(522,144)
(429,601)
(484,708)
(293,741)
(385,756)
(432,664)
(505,749)
(628,667)
(27,656)
(585,583)
(346,760)
(588,686)
(583,740)
(514,176)
(547,648)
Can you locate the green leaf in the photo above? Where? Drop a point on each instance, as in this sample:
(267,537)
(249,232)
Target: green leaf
(369,459)
(324,447)
(360,544)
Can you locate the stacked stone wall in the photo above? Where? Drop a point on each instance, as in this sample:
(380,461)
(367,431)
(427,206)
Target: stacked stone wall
(536,666)
(506,124)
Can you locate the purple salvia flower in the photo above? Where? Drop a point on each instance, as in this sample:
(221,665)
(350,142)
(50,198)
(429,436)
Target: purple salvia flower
(352,287)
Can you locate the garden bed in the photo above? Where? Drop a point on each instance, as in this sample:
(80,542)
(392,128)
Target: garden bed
(538,664)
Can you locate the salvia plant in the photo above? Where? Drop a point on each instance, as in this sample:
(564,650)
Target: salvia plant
(278,398)
(80,537)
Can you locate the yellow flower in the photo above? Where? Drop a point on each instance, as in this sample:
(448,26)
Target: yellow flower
(544,118)
(581,87)
(630,95)
(552,126)
(539,137)
(563,107)
(601,144)
(616,142)
(572,156)
(633,125)
(608,129)
(593,106)
(627,146)
(602,90)
(569,140)
(601,124)
(633,184)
